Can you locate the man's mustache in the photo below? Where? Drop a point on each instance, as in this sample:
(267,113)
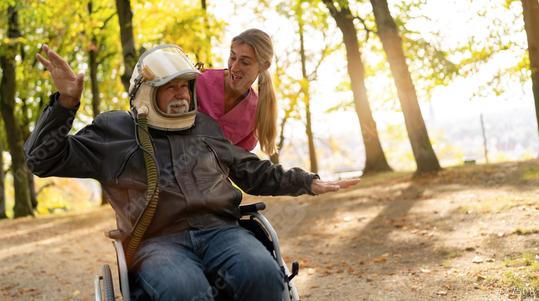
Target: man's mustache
(178,106)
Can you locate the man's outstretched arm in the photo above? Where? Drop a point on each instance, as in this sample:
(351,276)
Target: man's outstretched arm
(261,177)
(49,150)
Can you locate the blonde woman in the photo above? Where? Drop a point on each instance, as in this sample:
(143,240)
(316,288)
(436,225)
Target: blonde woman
(246,117)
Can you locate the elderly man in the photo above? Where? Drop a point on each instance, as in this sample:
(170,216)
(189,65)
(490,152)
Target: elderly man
(166,170)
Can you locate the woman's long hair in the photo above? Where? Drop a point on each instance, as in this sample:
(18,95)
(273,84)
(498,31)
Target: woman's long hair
(266,110)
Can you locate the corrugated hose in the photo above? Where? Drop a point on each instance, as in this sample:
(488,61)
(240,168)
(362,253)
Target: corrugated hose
(152,194)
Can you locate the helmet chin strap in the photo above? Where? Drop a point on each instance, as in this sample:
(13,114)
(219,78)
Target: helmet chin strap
(133,92)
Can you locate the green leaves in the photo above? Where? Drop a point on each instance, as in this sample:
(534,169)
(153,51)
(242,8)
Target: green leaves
(178,22)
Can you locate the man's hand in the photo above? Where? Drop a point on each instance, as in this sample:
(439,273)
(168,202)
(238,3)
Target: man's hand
(68,84)
(318,186)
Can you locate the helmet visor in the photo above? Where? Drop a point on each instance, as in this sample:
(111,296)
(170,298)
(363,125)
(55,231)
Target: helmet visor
(164,63)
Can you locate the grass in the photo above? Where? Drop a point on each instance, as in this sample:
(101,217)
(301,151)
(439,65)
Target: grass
(530,174)
(449,255)
(498,203)
(526,231)
(523,274)
(483,206)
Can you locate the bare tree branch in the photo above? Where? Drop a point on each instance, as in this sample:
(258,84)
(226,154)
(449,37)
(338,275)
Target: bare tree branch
(367,29)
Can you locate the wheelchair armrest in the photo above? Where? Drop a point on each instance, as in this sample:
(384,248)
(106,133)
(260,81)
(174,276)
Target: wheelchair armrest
(251,208)
(114,234)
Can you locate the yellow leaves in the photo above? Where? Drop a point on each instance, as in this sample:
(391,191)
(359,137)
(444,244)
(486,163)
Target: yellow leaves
(304,83)
(13,41)
(62,194)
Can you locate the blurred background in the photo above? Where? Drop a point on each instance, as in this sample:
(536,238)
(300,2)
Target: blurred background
(362,86)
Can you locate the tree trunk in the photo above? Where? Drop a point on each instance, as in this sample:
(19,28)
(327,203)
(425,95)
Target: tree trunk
(309,133)
(94,83)
(375,159)
(25,130)
(31,188)
(305,87)
(207,50)
(23,206)
(279,73)
(424,155)
(274,158)
(92,62)
(96,99)
(531,24)
(2,185)
(125,19)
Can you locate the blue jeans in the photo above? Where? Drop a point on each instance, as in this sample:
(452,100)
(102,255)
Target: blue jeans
(199,265)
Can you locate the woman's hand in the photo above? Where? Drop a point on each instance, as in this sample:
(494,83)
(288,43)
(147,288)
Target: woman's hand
(318,186)
(68,84)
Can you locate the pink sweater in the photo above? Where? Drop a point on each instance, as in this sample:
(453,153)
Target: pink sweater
(238,124)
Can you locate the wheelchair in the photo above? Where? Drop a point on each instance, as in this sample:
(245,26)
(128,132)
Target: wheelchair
(251,219)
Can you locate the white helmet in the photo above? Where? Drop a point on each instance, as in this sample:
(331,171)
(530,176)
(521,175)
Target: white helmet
(155,68)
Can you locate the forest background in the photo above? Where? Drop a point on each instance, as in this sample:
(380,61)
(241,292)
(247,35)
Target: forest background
(363,86)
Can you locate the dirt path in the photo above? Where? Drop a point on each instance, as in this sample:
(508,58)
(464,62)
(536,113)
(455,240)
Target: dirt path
(469,233)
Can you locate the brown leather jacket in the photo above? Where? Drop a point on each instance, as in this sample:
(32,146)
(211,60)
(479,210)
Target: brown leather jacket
(195,168)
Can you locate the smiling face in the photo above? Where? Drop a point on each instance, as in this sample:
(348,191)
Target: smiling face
(174,97)
(243,68)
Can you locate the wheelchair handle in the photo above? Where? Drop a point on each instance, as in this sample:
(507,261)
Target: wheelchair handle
(251,208)
(295,270)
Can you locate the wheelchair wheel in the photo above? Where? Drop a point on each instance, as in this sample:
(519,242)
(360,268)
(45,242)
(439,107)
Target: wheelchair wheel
(108,287)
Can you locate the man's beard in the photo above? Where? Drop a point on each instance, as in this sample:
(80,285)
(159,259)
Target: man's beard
(178,106)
